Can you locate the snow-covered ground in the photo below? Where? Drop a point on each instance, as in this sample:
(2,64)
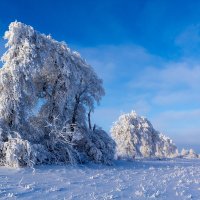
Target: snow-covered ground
(148,179)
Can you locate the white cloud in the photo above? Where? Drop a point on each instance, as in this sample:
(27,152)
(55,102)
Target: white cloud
(115,62)
(169,75)
(183,126)
(180,117)
(186,96)
(171,83)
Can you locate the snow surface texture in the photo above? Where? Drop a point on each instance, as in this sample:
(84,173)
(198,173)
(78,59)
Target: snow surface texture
(136,137)
(46,93)
(177,179)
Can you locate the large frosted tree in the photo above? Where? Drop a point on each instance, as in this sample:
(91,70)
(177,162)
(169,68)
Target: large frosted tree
(136,137)
(47,94)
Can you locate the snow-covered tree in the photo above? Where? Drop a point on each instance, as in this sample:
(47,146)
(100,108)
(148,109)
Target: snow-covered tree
(189,154)
(184,152)
(47,94)
(136,137)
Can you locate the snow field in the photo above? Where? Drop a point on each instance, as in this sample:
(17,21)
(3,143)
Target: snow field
(141,179)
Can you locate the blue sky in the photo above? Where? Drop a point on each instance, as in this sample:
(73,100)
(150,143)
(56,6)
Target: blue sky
(147,53)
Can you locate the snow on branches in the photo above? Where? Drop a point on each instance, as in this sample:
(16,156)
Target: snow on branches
(189,154)
(136,137)
(43,80)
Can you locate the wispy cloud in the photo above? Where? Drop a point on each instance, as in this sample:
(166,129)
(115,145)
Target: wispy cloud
(116,62)
(182,126)
(172,83)
(169,75)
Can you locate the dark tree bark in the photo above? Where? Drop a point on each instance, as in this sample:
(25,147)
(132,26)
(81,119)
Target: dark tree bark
(77,101)
(89,120)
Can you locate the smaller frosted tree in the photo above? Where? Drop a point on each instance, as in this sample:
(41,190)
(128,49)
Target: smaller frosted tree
(184,152)
(87,92)
(136,137)
(189,154)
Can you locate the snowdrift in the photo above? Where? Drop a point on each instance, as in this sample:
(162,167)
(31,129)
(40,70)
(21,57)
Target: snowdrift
(47,95)
(136,137)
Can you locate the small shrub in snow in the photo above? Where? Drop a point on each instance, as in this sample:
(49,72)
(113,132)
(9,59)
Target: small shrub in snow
(101,146)
(16,152)
(136,137)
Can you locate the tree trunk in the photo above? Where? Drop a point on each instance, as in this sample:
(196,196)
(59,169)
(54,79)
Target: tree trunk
(77,101)
(89,120)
